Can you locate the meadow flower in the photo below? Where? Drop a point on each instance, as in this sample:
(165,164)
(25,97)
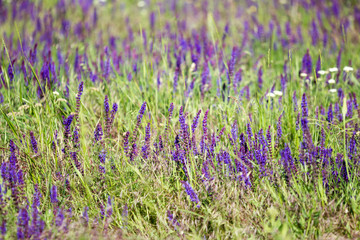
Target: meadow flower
(191,193)
(303,74)
(304,106)
(331,81)
(333,90)
(33,142)
(333,70)
(145,148)
(278,93)
(172,220)
(322,72)
(270,95)
(53,194)
(348,69)
(98,133)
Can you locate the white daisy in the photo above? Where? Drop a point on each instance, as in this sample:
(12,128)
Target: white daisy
(333,70)
(348,69)
(278,93)
(270,95)
(322,72)
(331,81)
(141,4)
(333,90)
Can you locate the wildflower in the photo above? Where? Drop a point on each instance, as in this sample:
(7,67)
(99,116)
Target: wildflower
(333,70)
(102,159)
(98,133)
(322,72)
(304,106)
(306,65)
(145,148)
(260,80)
(78,101)
(195,122)
(23,224)
(348,69)
(33,142)
(330,116)
(333,90)
(278,93)
(133,151)
(190,191)
(331,81)
(53,194)
(85,215)
(107,110)
(270,95)
(172,220)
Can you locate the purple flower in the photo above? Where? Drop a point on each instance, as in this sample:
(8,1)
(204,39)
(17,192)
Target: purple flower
(76,161)
(314,33)
(3,227)
(190,191)
(133,151)
(304,106)
(195,122)
(109,209)
(59,219)
(330,116)
(53,194)
(126,143)
(33,142)
(260,80)
(172,220)
(107,111)
(102,159)
(307,64)
(145,148)
(78,101)
(318,67)
(98,133)
(23,224)
(113,112)
(85,215)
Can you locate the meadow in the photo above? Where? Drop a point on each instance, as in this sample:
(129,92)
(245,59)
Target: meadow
(177,119)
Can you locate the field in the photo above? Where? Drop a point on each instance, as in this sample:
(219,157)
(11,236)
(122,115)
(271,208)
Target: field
(179,119)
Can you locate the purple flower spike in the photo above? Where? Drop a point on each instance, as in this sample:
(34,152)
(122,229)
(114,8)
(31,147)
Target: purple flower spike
(133,152)
(33,142)
(53,194)
(190,191)
(98,133)
(145,148)
(78,101)
(304,106)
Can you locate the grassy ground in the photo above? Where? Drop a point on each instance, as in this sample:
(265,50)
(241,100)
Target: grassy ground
(273,154)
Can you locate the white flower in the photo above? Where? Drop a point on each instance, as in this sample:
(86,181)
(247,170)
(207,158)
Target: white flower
(270,95)
(331,81)
(278,93)
(333,90)
(303,74)
(348,69)
(333,70)
(141,4)
(56,93)
(192,67)
(322,72)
